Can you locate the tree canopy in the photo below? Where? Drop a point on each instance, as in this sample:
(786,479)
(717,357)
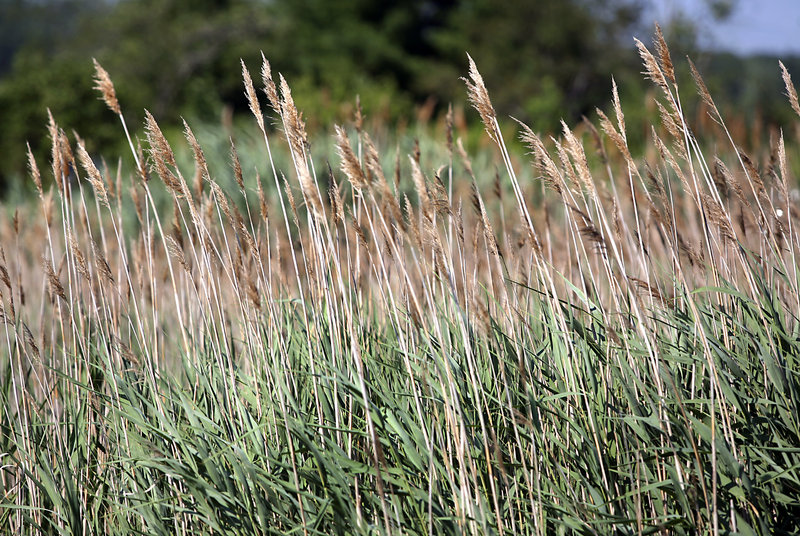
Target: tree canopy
(545,60)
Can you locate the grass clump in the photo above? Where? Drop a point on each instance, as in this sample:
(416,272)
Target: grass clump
(612,347)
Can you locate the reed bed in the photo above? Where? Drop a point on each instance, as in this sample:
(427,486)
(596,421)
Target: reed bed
(611,347)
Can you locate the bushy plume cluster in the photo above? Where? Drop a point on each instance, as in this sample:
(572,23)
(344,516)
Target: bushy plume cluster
(603,343)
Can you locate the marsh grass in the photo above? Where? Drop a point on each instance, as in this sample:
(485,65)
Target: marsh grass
(611,347)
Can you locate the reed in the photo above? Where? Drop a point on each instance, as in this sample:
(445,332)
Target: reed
(611,347)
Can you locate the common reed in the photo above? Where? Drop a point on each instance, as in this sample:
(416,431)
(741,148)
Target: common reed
(611,347)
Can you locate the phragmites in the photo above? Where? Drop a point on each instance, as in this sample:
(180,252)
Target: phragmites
(162,155)
(358,120)
(292,120)
(93,174)
(290,198)
(252,99)
(372,161)
(618,110)
(721,177)
(34,169)
(575,150)
(350,165)
(783,166)
(222,200)
(141,170)
(106,88)
(337,206)
(663,55)
(716,215)
(201,171)
(702,90)
(58,165)
(791,92)
(373,164)
(295,130)
(488,232)
(544,162)
(176,251)
(672,122)
(448,128)
(4,271)
(237,166)
(262,201)
(420,184)
(652,70)
(479,97)
(54,284)
(658,261)
(159,146)
(269,85)
(666,156)
(615,136)
(101,263)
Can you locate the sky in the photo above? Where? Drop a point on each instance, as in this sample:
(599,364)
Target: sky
(755,26)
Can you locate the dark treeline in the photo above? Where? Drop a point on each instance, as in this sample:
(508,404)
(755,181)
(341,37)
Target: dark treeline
(544,60)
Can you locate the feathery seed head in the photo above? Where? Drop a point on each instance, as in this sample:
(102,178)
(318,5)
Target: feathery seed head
(663,55)
(292,119)
(269,85)
(93,174)
(237,166)
(159,147)
(252,98)
(359,118)
(791,92)
(106,88)
(703,90)
(34,169)
(479,97)
(652,70)
(350,165)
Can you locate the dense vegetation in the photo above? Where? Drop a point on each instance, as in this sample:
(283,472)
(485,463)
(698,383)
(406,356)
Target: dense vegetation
(550,60)
(579,342)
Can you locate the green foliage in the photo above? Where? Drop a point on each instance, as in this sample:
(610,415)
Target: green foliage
(555,53)
(60,87)
(172,57)
(210,450)
(342,365)
(749,84)
(45,24)
(175,58)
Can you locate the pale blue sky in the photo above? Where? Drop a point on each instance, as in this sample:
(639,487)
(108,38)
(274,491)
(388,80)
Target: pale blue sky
(756,26)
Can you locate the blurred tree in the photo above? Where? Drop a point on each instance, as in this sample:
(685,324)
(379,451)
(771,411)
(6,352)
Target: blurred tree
(42,23)
(752,87)
(31,33)
(66,89)
(174,57)
(543,60)
(684,29)
(374,49)
(721,9)
(561,53)
(178,56)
